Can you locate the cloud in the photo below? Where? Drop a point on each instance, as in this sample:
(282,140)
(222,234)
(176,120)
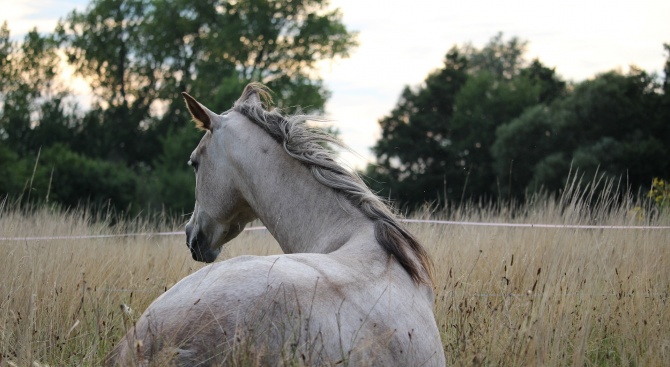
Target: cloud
(23,16)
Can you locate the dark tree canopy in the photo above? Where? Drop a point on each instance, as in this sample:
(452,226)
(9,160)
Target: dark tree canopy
(491,125)
(141,54)
(138,56)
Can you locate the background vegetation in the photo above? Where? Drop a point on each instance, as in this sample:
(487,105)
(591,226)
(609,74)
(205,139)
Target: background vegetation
(128,151)
(489,125)
(493,125)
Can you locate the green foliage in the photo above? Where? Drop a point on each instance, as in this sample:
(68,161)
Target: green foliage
(482,105)
(491,125)
(523,147)
(488,124)
(609,125)
(660,193)
(172,177)
(27,72)
(436,144)
(138,56)
(74,179)
(57,174)
(13,171)
(143,52)
(415,145)
(6,47)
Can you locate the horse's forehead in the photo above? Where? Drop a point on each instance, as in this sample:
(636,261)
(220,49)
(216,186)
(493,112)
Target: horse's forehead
(202,145)
(220,127)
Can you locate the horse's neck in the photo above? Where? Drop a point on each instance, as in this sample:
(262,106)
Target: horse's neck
(302,214)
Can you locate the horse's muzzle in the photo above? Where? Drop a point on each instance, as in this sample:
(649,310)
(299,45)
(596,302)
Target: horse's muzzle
(199,246)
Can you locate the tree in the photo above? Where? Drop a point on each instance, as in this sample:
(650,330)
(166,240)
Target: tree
(664,115)
(415,151)
(610,125)
(138,56)
(6,51)
(482,105)
(436,143)
(71,179)
(31,108)
(491,125)
(141,54)
(519,148)
(28,71)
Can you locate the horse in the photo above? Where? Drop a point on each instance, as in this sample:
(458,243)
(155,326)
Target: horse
(353,286)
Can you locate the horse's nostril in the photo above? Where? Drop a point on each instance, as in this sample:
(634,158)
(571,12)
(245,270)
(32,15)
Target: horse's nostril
(189,238)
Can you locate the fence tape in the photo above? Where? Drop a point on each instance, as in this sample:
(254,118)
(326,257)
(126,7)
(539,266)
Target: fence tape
(530,225)
(95,236)
(428,221)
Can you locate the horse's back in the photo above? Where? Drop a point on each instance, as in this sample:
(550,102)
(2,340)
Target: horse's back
(306,308)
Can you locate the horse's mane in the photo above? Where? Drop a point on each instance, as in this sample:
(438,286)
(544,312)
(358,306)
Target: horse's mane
(303,144)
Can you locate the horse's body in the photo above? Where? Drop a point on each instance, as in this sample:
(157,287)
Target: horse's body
(352,288)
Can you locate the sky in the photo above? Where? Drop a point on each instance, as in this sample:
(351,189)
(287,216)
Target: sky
(401,42)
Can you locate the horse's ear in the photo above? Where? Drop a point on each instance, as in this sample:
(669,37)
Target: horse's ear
(201,115)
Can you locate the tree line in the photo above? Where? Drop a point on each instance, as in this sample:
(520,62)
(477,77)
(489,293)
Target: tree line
(490,124)
(128,150)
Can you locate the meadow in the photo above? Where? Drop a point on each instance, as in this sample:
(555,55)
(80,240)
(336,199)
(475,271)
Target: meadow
(505,296)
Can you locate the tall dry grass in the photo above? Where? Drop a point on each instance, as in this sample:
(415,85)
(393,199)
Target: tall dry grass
(504,296)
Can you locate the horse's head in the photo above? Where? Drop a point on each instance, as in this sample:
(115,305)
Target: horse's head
(220,212)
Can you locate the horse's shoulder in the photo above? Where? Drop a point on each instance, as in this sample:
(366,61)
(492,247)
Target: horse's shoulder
(277,266)
(248,270)
(306,269)
(252,277)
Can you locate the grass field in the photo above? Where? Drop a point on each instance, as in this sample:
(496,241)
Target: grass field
(504,296)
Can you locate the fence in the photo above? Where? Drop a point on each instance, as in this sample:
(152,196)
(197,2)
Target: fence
(427,221)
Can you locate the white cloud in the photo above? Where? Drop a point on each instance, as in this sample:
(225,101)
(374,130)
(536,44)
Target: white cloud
(22,16)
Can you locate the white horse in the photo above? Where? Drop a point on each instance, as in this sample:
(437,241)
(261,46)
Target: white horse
(353,288)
